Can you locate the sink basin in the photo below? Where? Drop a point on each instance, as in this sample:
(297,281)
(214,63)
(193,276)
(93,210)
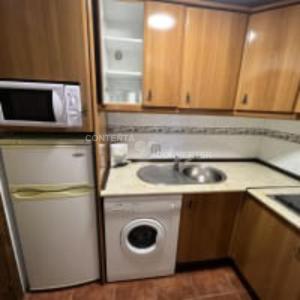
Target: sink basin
(204,174)
(190,174)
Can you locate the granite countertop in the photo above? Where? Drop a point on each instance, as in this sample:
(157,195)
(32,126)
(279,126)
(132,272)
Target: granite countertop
(262,195)
(123,181)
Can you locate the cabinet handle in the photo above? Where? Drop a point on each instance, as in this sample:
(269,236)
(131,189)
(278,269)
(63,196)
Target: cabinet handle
(188,98)
(84,110)
(149,97)
(297,255)
(245,99)
(190,204)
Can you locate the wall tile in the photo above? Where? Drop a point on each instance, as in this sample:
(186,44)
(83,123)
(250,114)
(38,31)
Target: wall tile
(275,141)
(283,154)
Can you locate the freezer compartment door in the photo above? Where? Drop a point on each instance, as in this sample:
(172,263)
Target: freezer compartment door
(48,164)
(59,238)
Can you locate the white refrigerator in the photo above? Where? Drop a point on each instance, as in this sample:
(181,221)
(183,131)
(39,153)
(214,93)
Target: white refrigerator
(52,188)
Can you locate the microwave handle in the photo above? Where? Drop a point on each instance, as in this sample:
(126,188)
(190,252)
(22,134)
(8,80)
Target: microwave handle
(74,106)
(1,113)
(58,107)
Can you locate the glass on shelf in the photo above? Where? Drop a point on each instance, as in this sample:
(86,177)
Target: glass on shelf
(123,96)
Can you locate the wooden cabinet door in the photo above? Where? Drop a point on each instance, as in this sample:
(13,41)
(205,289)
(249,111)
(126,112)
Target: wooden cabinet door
(213,47)
(48,41)
(271,63)
(265,250)
(297,108)
(206,226)
(163,53)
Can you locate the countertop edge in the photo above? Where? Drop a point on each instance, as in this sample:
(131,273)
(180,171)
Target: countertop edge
(277,208)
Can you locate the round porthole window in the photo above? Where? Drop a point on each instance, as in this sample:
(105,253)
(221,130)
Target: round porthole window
(142,236)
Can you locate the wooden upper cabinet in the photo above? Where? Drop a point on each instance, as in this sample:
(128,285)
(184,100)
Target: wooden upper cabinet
(271,63)
(213,45)
(48,41)
(163,38)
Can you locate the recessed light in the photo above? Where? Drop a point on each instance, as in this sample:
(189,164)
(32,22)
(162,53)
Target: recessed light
(161,21)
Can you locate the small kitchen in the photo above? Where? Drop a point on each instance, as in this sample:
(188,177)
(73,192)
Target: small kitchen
(149,149)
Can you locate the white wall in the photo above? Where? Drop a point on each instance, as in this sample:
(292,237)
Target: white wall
(278,152)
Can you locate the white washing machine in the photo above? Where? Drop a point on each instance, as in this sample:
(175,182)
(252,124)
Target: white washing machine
(141,236)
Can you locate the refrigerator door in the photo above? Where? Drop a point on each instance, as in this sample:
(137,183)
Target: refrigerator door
(58,232)
(48,164)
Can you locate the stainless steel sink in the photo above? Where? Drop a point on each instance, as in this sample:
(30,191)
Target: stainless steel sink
(187,174)
(204,174)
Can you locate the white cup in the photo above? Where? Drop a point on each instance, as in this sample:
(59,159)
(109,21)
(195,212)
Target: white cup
(118,154)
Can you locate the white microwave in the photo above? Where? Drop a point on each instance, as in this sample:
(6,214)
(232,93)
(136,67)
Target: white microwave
(40,104)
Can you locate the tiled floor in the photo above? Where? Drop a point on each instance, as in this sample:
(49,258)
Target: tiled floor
(213,284)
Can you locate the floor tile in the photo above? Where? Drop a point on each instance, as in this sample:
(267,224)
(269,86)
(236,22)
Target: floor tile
(94,291)
(234,279)
(136,290)
(228,296)
(177,280)
(176,293)
(57,295)
(213,281)
(209,284)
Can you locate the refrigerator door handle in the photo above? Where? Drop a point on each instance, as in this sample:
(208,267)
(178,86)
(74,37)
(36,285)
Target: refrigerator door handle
(42,193)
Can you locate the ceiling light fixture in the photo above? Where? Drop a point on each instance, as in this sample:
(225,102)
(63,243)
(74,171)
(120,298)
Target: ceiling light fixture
(161,21)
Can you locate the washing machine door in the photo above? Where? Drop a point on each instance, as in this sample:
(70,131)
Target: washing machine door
(142,237)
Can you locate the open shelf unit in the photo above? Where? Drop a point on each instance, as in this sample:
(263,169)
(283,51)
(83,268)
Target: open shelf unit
(121,30)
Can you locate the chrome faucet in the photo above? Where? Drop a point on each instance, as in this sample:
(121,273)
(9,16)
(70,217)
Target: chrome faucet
(176,166)
(178,162)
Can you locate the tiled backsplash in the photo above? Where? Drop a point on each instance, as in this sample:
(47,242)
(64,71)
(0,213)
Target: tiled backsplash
(164,136)
(286,136)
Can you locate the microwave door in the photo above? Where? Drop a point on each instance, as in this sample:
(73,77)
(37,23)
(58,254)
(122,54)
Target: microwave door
(32,107)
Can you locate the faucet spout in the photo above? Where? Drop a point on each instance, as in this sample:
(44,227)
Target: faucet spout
(176,166)
(178,162)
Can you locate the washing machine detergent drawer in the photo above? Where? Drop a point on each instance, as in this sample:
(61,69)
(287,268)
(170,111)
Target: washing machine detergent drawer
(141,236)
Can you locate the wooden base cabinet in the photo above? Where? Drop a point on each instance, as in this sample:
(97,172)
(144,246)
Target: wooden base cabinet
(206,226)
(267,252)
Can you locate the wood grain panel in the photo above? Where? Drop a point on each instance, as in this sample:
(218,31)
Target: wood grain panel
(49,41)
(212,55)
(267,251)
(297,108)
(10,286)
(271,64)
(163,55)
(206,226)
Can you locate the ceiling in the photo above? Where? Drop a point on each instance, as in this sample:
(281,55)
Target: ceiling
(250,3)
